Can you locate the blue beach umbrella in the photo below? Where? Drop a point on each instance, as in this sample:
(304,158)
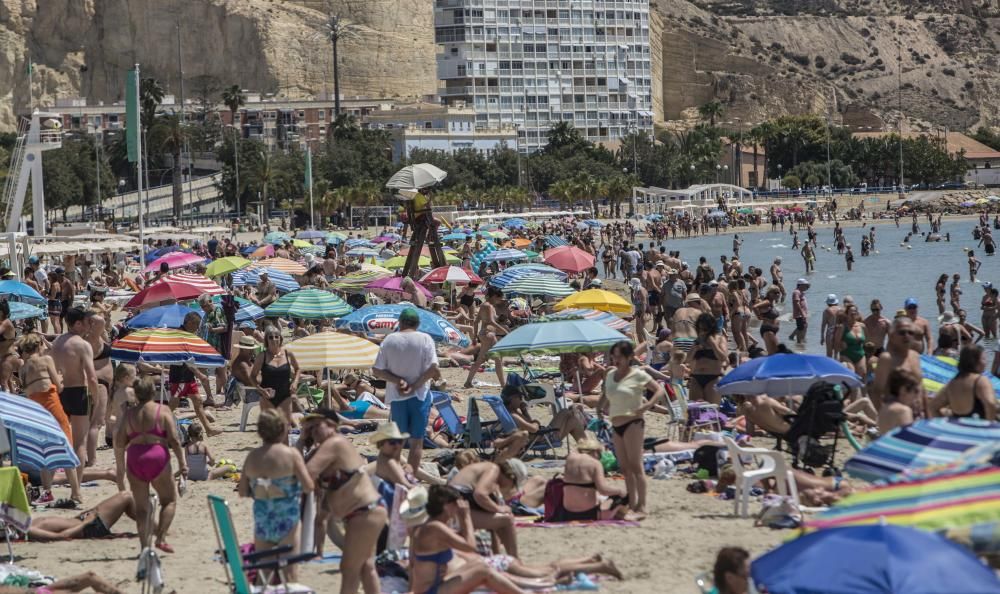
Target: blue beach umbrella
(783,375)
(150,256)
(927,442)
(24,311)
(41,443)
(249,249)
(592,223)
(247,312)
(164,316)
(383,319)
(251,276)
(310,234)
(15,288)
(515,223)
(358,241)
(554,338)
(874,559)
(554,241)
(454,237)
(938,371)
(276,237)
(505,255)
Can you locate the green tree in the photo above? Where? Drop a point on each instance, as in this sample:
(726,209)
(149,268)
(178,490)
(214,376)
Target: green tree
(711,111)
(617,189)
(564,137)
(169,134)
(234,98)
(791,182)
(988,137)
(562,191)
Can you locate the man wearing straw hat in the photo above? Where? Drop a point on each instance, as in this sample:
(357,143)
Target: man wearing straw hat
(407,361)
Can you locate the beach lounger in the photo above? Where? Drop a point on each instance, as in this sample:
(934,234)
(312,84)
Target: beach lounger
(772,466)
(267,564)
(544,440)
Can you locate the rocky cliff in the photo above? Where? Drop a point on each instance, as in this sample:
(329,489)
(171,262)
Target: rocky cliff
(764,58)
(84,47)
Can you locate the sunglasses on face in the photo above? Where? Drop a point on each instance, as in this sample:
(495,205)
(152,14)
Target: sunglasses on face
(392,442)
(273,338)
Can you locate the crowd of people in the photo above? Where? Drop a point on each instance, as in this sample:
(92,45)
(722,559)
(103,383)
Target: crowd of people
(689,326)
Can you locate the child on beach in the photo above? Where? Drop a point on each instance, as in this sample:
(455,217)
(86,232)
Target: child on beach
(199,459)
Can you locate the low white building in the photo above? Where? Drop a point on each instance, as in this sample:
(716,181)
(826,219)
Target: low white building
(439,128)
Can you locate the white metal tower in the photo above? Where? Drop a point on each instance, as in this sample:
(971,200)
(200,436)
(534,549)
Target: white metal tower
(42,132)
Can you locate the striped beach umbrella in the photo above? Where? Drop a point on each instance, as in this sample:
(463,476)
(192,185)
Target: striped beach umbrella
(335,237)
(555,338)
(174,260)
(505,255)
(333,350)
(451,274)
(554,241)
(310,234)
(276,237)
(595,299)
(310,304)
(251,276)
(540,284)
(356,281)
(282,264)
(946,500)
(159,346)
(939,370)
(357,241)
(602,317)
(362,252)
(924,443)
(206,285)
(400,261)
(40,441)
(225,266)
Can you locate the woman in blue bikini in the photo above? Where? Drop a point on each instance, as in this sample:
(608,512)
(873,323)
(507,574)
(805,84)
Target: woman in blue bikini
(275,475)
(430,514)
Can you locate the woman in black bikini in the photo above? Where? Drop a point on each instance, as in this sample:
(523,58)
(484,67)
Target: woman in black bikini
(279,374)
(583,480)
(623,394)
(347,494)
(970,393)
(707,360)
(105,374)
(768,314)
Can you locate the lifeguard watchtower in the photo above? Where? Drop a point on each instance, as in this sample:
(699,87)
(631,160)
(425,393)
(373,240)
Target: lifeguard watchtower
(35,135)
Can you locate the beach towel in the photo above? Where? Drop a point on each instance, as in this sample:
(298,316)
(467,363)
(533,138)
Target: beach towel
(14,508)
(592,524)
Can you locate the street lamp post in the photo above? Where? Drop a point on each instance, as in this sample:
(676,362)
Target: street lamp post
(718,169)
(779,178)
(121,194)
(236,150)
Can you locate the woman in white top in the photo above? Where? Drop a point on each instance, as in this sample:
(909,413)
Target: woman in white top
(623,399)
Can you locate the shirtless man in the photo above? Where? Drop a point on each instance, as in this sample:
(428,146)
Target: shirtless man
(486,327)
(765,412)
(877,326)
(925,339)
(267,293)
(652,280)
(74,357)
(809,256)
(719,305)
(900,353)
(777,277)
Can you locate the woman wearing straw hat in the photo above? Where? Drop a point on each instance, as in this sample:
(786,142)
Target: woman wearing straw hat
(583,480)
(429,514)
(388,440)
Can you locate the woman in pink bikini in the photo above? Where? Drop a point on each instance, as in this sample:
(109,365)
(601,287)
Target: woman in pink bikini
(141,443)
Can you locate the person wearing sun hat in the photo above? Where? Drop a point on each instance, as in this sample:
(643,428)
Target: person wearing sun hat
(388,466)
(407,361)
(583,482)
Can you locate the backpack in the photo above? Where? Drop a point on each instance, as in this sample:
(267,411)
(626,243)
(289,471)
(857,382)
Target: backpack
(553,499)
(707,457)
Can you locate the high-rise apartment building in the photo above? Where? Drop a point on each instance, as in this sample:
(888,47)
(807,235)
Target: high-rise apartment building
(534,63)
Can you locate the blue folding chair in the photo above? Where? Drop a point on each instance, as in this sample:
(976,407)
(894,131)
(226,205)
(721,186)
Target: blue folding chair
(542,441)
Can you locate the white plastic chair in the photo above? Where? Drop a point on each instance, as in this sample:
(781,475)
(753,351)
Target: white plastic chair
(555,403)
(250,398)
(772,465)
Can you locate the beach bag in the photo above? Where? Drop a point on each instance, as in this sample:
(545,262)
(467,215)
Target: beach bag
(553,499)
(707,457)
(779,512)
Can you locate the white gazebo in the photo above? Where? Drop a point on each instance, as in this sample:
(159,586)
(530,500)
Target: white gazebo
(696,198)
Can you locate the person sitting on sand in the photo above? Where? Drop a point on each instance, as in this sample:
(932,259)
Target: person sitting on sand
(480,484)
(547,576)
(583,483)
(76,583)
(93,523)
(199,459)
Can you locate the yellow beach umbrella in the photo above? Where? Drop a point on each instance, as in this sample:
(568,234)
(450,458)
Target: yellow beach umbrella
(226,265)
(301,243)
(333,350)
(283,264)
(400,261)
(598,299)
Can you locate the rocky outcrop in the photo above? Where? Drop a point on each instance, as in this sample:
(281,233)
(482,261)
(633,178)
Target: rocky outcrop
(84,47)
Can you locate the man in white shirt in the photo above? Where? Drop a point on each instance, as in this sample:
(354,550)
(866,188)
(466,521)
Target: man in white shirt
(407,361)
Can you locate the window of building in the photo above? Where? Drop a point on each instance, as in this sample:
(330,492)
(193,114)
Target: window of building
(321,114)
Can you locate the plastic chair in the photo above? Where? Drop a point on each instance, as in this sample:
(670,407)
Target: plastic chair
(267,563)
(772,465)
(250,398)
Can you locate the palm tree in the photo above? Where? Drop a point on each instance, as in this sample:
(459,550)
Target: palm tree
(344,127)
(562,191)
(564,135)
(619,188)
(337,29)
(710,111)
(169,135)
(234,99)
(752,136)
(150,98)
(263,174)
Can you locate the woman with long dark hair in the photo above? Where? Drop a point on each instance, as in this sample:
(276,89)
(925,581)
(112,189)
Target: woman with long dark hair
(708,360)
(970,393)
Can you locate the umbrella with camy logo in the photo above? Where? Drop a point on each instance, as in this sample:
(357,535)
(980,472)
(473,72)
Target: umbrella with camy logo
(374,320)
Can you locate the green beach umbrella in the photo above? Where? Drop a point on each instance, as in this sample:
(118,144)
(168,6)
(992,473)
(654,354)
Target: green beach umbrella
(225,266)
(539,284)
(309,304)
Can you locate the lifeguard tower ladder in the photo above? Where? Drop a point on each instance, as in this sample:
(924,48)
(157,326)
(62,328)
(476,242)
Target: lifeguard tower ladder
(35,135)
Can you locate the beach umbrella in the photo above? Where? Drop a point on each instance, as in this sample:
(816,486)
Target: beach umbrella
(505,255)
(362,252)
(537,268)
(387,238)
(160,346)
(251,276)
(24,311)
(369,267)
(967,204)
(333,350)
(784,375)
(247,310)
(595,299)
(872,560)
(174,260)
(515,223)
(569,259)
(356,242)
(592,223)
(206,285)
(654,217)
(309,303)
(938,371)
(521,243)
(399,261)
(164,291)
(927,442)
(310,234)
(950,499)
(226,265)
(335,237)
(15,288)
(717,214)
(277,237)
(154,254)
(451,274)
(554,241)
(264,251)
(393,284)
(540,284)
(356,281)
(164,316)
(554,338)
(421,175)
(993,198)
(40,441)
(602,317)
(455,237)
(282,264)
(383,319)
(301,243)
(498,234)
